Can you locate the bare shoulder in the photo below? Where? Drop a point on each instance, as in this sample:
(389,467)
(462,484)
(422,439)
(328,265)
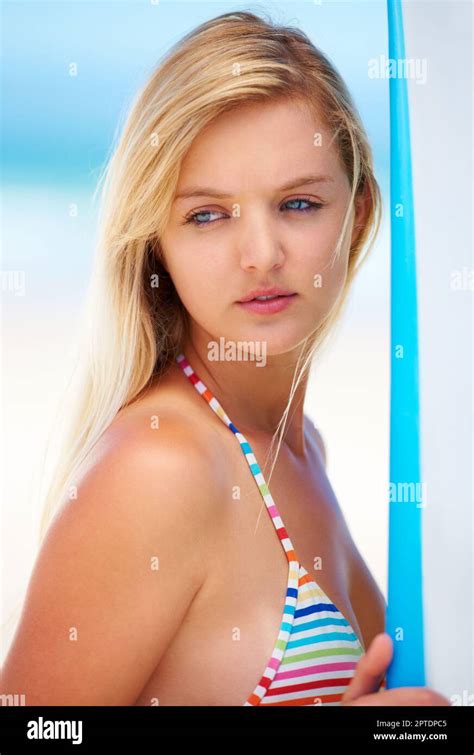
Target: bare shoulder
(160,447)
(120,565)
(153,469)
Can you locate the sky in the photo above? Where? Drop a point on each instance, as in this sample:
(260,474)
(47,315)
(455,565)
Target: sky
(71,68)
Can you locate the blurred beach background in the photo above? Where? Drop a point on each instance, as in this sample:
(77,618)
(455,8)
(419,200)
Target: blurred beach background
(69,73)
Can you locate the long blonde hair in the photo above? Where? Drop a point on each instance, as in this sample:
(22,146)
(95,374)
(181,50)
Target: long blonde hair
(134,329)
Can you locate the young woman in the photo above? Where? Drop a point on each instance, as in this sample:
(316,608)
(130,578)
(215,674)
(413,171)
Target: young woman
(170,574)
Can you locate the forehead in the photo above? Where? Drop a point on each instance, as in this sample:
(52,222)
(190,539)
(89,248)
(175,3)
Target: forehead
(261,143)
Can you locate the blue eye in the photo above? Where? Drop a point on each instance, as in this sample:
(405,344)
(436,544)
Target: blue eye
(196,218)
(311,205)
(193,218)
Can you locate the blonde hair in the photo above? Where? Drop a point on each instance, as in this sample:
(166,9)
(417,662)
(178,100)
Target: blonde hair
(134,330)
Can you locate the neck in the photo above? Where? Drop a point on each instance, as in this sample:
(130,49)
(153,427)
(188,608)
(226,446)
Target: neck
(254,397)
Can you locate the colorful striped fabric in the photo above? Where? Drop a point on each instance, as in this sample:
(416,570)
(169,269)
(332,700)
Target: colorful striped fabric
(316,651)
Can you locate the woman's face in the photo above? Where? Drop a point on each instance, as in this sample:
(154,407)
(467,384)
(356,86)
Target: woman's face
(260,203)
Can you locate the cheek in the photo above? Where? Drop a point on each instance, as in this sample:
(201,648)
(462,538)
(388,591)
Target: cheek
(325,272)
(198,276)
(193,256)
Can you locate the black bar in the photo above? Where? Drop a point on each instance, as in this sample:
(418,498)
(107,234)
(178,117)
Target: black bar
(146,728)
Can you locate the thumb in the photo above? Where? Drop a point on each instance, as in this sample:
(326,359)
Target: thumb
(370,669)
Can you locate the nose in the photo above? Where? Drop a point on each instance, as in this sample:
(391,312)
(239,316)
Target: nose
(259,243)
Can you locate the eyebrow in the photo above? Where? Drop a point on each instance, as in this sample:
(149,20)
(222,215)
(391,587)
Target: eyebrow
(206,191)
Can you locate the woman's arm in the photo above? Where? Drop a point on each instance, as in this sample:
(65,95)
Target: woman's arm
(116,574)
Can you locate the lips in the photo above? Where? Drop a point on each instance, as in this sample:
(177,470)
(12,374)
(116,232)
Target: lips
(273,292)
(267,298)
(268,306)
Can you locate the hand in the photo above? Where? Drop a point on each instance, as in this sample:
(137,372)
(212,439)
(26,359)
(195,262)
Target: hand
(364,686)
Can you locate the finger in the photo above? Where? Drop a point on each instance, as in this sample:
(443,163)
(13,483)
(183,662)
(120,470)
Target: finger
(371,668)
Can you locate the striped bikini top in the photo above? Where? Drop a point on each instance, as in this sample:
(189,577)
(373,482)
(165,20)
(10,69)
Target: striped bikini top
(316,652)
